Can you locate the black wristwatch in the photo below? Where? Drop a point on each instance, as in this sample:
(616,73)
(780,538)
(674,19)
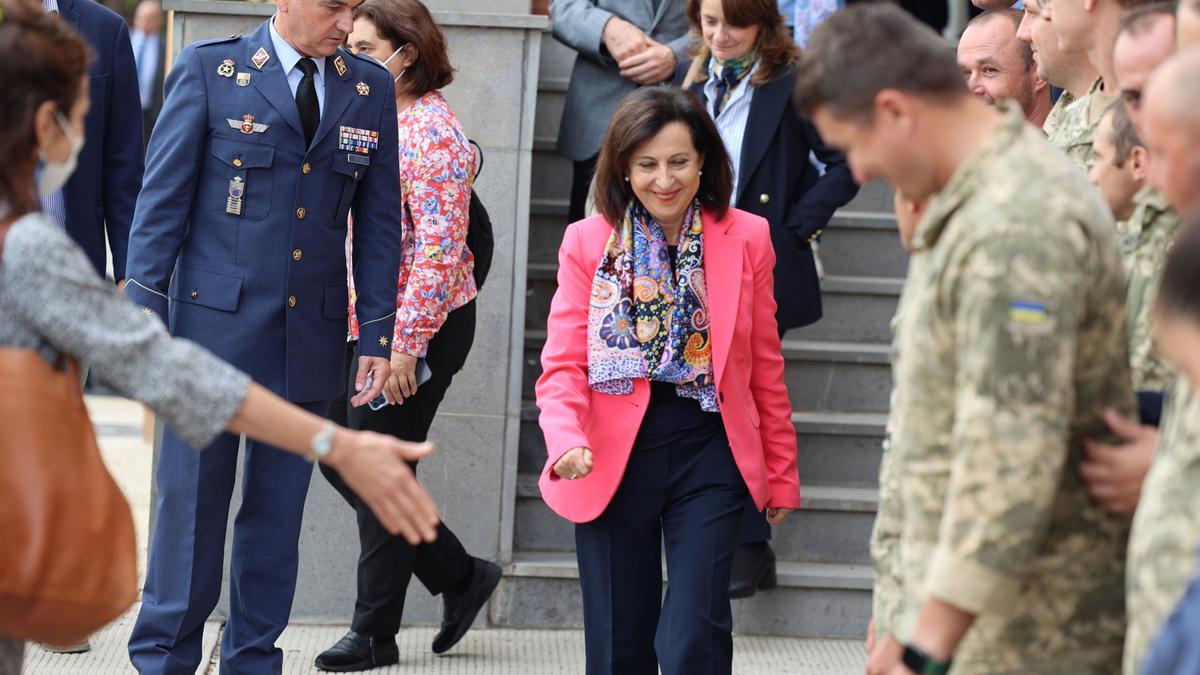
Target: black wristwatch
(916,660)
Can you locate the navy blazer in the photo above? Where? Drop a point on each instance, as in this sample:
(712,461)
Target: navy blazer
(100,195)
(265,288)
(779,183)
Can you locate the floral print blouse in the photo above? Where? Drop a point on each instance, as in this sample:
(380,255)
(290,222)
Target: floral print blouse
(437,164)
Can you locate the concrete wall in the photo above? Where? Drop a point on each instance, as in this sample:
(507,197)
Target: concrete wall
(473,474)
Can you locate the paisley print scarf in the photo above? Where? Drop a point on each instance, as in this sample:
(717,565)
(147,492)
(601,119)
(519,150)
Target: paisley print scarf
(644,321)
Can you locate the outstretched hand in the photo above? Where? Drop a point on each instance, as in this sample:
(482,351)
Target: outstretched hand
(375,466)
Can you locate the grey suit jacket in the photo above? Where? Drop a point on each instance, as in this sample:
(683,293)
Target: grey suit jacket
(596,84)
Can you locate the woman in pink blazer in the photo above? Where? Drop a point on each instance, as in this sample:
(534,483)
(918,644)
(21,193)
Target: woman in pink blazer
(662,395)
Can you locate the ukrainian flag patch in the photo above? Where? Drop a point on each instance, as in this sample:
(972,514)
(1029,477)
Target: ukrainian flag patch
(1028,312)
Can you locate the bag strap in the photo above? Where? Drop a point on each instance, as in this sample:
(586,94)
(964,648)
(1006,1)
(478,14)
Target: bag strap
(479,157)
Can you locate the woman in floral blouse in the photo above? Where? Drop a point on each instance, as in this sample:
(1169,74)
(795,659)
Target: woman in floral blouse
(435,323)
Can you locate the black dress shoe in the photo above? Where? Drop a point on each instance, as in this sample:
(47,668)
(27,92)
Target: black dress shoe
(753,570)
(358,652)
(461,608)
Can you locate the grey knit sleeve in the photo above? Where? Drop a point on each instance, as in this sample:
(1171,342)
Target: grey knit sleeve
(47,284)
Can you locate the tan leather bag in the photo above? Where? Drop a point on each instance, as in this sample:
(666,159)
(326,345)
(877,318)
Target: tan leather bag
(68,553)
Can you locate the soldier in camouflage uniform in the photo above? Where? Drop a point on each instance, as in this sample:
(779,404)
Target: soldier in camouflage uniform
(1065,99)
(1072,73)
(1166,528)
(1146,227)
(1009,344)
(1148,234)
(1155,565)
(1074,129)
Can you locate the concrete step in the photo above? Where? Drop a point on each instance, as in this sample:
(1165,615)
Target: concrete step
(874,197)
(833,524)
(856,309)
(834,448)
(861,243)
(551,175)
(546,226)
(547,111)
(832,376)
(812,600)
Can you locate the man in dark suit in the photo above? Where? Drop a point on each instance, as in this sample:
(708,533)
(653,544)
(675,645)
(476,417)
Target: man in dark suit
(99,198)
(265,144)
(622,44)
(148,52)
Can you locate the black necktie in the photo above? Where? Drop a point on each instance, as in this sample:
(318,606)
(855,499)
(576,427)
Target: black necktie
(306,99)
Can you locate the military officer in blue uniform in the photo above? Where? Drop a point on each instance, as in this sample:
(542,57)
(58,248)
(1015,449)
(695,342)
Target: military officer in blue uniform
(265,143)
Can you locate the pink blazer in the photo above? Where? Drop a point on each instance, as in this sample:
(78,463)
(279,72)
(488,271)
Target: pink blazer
(739,265)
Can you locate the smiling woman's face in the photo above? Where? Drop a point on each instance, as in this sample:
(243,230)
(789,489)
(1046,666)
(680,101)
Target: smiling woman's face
(664,173)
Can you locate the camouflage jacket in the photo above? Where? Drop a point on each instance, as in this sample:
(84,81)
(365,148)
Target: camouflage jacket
(1064,99)
(1009,344)
(1075,127)
(1166,529)
(1144,242)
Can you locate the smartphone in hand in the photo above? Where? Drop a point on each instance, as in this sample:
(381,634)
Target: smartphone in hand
(380,402)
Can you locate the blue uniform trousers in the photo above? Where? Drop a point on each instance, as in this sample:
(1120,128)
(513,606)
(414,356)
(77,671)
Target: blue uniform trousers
(690,496)
(187,555)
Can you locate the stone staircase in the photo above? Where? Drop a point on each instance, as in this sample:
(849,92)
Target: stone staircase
(839,379)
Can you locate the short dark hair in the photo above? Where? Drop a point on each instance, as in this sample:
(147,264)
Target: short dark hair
(1140,19)
(1014,16)
(866,48)
(1179,292)
(41,59)
(408,22)
(639,117)
(1124,136)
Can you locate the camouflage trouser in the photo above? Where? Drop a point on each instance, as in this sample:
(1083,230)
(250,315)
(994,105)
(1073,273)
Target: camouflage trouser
(885,543)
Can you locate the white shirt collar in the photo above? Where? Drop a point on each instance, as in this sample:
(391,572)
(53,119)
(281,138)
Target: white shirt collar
(287,55)
(50,5)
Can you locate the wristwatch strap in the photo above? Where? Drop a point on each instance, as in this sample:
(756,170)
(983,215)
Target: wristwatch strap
(916,660)
(322,443)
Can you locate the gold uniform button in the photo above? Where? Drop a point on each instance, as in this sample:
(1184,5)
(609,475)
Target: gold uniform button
(194,293)
(297,255)
(764,198)
(306,168)
(300,213)
(237,162)
(291,301)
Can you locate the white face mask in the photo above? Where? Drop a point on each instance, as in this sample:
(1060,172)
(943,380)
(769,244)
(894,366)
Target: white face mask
(51,176)
(389,59)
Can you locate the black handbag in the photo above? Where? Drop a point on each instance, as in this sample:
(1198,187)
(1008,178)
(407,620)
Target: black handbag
(480,239)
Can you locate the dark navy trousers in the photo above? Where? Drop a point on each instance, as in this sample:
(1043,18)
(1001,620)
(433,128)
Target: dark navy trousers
(690,496)
(187,555)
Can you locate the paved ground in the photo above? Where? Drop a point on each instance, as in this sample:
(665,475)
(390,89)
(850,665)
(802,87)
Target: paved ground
(483,651)
(492,651)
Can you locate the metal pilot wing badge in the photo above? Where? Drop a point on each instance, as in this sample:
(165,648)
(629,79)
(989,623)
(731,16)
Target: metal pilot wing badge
(247,125)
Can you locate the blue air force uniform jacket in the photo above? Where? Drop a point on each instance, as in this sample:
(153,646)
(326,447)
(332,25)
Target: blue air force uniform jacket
(239,233)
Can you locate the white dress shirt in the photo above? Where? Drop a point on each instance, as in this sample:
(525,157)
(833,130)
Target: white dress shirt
(731,123)
(145,57)
(289,57)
